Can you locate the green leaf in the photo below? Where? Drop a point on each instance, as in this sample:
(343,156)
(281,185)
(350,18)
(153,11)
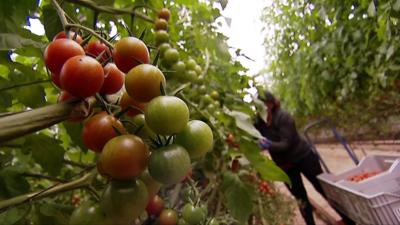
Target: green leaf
(372,9)
(12,41)
(74,130)
(46,151)
(14,216)
(51,21)
(13,182)
(266,167)
(244,122)
(32,96)
(239,197)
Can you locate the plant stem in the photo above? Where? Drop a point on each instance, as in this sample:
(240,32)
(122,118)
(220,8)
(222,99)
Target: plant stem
(67,25)
(24,84)
(80,165)
(56,189)
(111,10)
(42,176)
(19,124)
(175,195)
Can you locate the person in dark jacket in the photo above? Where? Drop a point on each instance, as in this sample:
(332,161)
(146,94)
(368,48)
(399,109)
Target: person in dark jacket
(290,152)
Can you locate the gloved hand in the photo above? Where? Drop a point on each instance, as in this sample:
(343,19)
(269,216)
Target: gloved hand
(264,143)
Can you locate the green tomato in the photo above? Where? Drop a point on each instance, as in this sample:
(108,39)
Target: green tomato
(200,80)
(191,64)
(191,76)
(163,47)
(169,164)
(198,70)
(193,215)
(179,70)
(215,95)
(171,56)
(167,115)
(89,213)
(196,138)
(202,89)
(145,132)
(207,99)
(124,201)
(162,36)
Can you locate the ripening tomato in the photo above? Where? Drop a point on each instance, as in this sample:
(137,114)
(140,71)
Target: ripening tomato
(130,52)
(113,79)
(164,13)
(99,129)
(127,101)
(125,157)
(95,48)
(167,115)
(72,35)
(196,138)
(169,164)
(143,83)
(124,201)
(89,213)
(59,51)
(160,24)
(155,206)
(82,76)
(168,217)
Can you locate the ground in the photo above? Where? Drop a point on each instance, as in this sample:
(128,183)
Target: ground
(339,161)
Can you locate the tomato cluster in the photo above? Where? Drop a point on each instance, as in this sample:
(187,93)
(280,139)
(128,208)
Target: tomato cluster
(362,176)
(145,139)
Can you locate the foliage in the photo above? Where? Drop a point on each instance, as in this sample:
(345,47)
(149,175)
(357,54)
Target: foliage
(56,160)
(336,59)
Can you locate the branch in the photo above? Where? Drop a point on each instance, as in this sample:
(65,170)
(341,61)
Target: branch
(20,124)
(24,84)
(55,189)
(66,25)
(111,10)
(41,176)
(80,165)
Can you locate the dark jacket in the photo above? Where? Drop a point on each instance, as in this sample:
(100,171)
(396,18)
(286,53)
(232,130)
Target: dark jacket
(287,147)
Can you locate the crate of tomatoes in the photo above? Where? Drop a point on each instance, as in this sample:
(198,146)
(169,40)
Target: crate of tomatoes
(368,193)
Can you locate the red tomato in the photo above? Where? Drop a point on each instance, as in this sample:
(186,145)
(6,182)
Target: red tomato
(130,52)
(55,77)
(113,79)
(99,129)
(62,35)
(59,51)
(168,217)
(82,76)
(95,48)
(155,206)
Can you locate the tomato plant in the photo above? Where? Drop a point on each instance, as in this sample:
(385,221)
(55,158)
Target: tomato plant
(96,48)
(164,13)
(89,213)
(82,76)
(162,36)
(124,157)
(167,115)
(161,24)
(72,35)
